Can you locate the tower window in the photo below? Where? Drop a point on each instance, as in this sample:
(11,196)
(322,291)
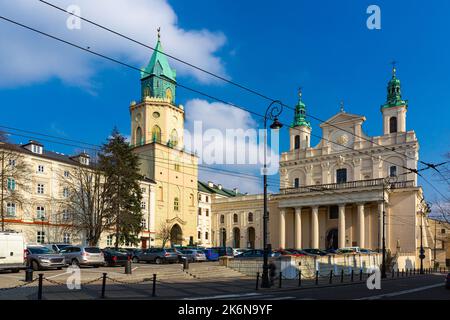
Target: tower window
(176,204)
(235,218)
(139,140)
(222,219)
(174,138)
(341,175)
(156,134)
(393,124)
(297,142)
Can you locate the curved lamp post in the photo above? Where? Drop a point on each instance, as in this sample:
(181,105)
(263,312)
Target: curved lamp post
(272,113)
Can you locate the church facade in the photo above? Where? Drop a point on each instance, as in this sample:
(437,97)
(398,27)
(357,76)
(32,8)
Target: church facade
(338,193)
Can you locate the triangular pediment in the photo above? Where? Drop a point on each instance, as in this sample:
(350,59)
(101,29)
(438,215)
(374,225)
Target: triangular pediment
(343,117)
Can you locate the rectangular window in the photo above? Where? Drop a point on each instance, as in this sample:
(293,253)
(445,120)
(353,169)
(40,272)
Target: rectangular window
(66,174)
(11,184)
(296,182)
(207,212)
(393,171)
(199,211)
(109,240)
(443,231)
(207,198)
(143,205)
(12,162)
(66,192)
(199,235)
(65,215)
(66,238)
(334,212)
(40,169)
(176,204)
(206,235)
(40,237)
(177,167)
(341,175)
(40,212)
(10,209)
(40,188)
(144,223)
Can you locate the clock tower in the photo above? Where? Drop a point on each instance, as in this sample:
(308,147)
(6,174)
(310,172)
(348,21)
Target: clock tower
(157,126)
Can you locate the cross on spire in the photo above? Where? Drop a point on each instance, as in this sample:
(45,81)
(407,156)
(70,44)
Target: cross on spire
(159,33)
(394,69)
(300,92)
(342,105)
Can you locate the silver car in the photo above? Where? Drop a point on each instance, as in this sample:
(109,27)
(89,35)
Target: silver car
(193,255)
(83,256)
(40,257)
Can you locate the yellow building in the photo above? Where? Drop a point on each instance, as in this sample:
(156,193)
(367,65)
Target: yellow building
(157,126)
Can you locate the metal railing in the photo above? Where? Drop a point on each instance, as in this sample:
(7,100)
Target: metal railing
(347,185)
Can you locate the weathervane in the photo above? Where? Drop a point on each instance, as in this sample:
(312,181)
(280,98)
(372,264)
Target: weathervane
(342,106)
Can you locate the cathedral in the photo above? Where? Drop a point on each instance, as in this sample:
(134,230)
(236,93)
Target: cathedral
(348,190)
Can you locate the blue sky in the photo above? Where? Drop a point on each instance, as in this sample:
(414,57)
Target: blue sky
(274,47)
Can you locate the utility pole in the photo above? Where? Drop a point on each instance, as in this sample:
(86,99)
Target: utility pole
(435,239)
(383,265)
(422,251)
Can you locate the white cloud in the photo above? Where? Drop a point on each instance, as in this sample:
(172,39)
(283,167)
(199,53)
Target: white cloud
(27,57)
(220,118)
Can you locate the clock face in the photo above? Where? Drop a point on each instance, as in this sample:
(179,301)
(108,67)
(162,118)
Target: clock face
(156,114)
(341,140)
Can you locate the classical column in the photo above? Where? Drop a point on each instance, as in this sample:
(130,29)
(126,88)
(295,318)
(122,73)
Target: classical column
(298,228)
(341,226)
(380,225)
(361,225)
(315,227)
(282,228)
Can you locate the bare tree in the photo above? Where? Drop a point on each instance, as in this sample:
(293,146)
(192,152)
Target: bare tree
(164,233)
(15,176)
(86,205)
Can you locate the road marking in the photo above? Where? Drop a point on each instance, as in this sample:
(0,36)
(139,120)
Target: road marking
(134,268)
(280,298)
(224,296)
(57,275)
(399,293)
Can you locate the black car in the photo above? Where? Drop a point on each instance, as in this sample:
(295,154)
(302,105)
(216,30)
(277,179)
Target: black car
(224,251)
(115,258)
(315,252)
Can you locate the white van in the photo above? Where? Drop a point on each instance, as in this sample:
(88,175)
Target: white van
(12,251)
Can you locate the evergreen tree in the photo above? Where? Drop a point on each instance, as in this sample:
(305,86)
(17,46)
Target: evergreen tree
(121,169)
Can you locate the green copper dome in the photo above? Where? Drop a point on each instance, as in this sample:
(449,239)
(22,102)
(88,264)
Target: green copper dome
(394,92)
(300,113)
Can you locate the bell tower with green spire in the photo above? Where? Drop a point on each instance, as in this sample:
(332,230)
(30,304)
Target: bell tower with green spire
(394,109)
(300,131)
(158,79)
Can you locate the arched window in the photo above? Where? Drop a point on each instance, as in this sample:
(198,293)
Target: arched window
(297,142)
(250,217)
(235,218)
(147,91)
(139,141)
(156,134)
(306,141)
(176,204)
(393,124)
(296,182)
(393,171)
(174,138)
(169,95)
(191,198)
(222,219)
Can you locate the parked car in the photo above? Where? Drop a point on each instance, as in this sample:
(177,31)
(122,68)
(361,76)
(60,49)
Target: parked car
(291,252)
(83,256)
(447,281)
(315,252)
(57,247)
(256,253)
(115,258)
(349,250)
(12,251)
(159,255)
(332,251)
(224,251)
(238,251)
(41,257)
(211,254)
(193,255)
(367,251)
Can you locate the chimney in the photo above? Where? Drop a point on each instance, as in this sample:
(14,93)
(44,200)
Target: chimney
(210,184)
(236,190)
(219,186)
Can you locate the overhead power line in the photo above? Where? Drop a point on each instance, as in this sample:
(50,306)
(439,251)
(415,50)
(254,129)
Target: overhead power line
(234,83)
(198,92)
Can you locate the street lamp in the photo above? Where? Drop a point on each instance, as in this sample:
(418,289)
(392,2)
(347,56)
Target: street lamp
(422,250)
(388,181)
(272,113)
(42,228)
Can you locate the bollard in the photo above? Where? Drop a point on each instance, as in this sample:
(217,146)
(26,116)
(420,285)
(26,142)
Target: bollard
(128,267)
(41,277)
(154,286)
(257,280)
(342,275)
(351,276)
(299,278)
(185,263)
(360,274)
(317,277)
(331,277)
(28,275)
(103,285)
(281,277)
